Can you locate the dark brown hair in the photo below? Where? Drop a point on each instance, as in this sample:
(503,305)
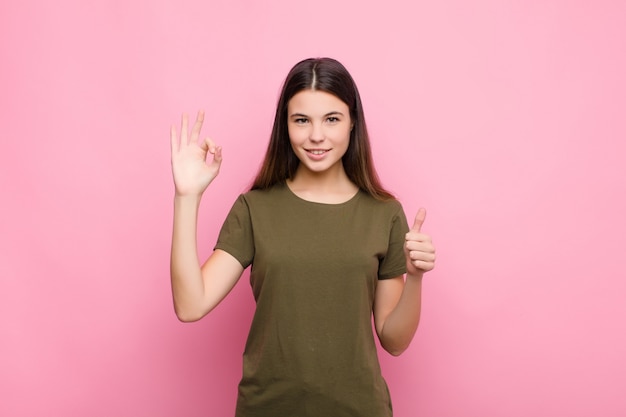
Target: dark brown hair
(330,76)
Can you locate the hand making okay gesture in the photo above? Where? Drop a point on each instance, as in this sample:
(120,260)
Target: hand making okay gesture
(418,248)
(192,173)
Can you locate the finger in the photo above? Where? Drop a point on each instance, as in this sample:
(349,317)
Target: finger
(208,145)
(424,246)
(205,145)
(419,219)
(195,132)
(184,140)
(416,255)
(215,150)
(423,265)
(217,156)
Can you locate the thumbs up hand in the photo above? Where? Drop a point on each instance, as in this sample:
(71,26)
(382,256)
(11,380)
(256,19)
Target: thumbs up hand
(418,248)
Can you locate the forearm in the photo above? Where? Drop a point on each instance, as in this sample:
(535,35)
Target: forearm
(185,271)
(401,324)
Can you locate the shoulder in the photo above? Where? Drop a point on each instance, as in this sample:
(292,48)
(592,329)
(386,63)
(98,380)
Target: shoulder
(388,214)
(258,196)
(390,207)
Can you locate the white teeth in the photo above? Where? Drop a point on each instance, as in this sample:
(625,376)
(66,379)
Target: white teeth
(316,152)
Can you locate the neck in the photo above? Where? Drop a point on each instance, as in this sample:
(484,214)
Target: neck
(330,187)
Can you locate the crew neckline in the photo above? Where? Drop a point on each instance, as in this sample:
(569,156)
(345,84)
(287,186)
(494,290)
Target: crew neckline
(343,203)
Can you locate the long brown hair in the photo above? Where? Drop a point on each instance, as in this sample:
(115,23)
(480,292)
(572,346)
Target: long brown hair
(328,75)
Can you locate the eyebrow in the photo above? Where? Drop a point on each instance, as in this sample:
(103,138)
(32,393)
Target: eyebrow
(332,113)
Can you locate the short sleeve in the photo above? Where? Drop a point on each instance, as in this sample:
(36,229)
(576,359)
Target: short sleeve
(394,262)
(236,236)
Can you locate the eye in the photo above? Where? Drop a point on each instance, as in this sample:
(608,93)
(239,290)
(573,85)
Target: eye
(333,119)
(300,120)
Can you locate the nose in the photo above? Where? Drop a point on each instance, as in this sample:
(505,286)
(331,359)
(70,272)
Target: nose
(317,133)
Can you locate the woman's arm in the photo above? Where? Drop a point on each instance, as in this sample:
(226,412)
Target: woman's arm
(196,290)
(397,303)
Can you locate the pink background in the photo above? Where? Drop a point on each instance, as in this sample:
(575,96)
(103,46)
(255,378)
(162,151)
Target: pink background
(505,119)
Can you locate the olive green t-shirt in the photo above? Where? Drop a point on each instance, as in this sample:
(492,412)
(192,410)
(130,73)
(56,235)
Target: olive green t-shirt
(315,267)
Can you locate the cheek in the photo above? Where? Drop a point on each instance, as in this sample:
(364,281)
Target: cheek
(344,137)
(296,134)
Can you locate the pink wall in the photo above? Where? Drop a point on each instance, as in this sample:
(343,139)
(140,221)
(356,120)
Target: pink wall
(506,119)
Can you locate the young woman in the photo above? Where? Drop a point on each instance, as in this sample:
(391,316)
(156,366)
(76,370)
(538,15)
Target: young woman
(328,246)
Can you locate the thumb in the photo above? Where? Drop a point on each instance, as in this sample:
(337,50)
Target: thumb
(210,146)
(419,219)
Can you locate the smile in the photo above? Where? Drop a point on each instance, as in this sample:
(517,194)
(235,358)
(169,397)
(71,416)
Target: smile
(317,151)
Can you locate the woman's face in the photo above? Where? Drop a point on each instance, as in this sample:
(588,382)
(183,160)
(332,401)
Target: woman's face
(319,128)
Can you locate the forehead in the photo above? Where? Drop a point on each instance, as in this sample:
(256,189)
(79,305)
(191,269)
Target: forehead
(315,102)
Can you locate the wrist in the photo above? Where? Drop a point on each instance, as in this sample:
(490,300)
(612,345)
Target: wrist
(187,199)
(415,275)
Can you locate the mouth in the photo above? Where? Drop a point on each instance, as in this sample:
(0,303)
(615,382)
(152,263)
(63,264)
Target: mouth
(317,151)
